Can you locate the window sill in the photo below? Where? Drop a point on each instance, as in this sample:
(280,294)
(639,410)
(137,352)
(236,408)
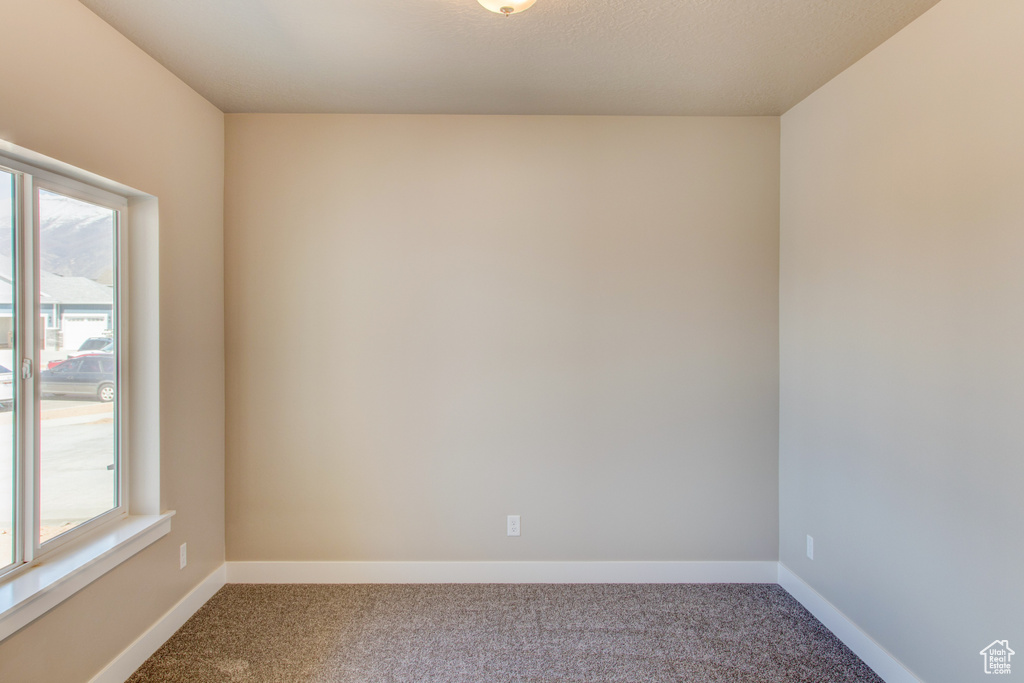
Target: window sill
(33,592)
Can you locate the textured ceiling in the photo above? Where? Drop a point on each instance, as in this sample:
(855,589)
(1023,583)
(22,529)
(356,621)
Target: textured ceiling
(674,57)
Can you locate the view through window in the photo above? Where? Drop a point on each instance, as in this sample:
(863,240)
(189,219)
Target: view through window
(59,369)
(78,372)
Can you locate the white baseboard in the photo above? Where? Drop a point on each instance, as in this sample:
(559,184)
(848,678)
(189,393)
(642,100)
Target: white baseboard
(890,669)
(125,664)
(502,572)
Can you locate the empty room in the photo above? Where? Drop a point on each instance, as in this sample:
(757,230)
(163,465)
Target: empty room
(469,341)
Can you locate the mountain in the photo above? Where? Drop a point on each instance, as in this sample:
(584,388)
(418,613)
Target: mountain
(76,238)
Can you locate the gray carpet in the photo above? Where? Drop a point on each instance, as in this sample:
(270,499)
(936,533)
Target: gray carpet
(740,633)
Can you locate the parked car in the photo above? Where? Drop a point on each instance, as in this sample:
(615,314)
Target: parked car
(6,389)
(86,376)
(94,344)
(107,348)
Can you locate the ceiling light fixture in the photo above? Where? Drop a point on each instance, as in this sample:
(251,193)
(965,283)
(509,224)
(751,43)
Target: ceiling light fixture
(507,7)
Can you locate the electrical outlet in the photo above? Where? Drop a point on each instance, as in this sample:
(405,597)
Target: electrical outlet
(810,547)
(183,555)
(513,525)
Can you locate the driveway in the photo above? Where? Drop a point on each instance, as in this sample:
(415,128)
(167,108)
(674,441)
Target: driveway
(77,439)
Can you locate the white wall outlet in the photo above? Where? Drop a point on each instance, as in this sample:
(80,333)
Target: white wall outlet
(513,525)
(183,555)
(810,547)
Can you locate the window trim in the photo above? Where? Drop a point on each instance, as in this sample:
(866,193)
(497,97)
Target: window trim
(32,589)
(26,595)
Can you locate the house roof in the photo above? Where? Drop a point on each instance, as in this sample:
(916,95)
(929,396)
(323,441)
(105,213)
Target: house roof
(58,289)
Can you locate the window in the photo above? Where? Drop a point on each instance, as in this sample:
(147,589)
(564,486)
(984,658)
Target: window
(62,466)
(79,490)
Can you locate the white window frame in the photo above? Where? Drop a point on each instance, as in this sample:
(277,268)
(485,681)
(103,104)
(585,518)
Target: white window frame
(51,572)
(30,347)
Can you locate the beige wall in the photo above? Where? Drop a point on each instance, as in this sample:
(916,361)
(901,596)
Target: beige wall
(74,89)
(902,325)
(435,321)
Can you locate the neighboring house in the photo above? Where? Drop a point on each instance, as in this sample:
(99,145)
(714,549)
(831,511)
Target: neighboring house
(997,657)
(71,309)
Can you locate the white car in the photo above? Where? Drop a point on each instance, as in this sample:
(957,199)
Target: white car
(108,347)
(6,389)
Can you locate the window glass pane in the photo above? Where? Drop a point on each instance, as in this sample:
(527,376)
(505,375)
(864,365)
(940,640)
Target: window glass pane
(7,454)
(89,365)
(78,445)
